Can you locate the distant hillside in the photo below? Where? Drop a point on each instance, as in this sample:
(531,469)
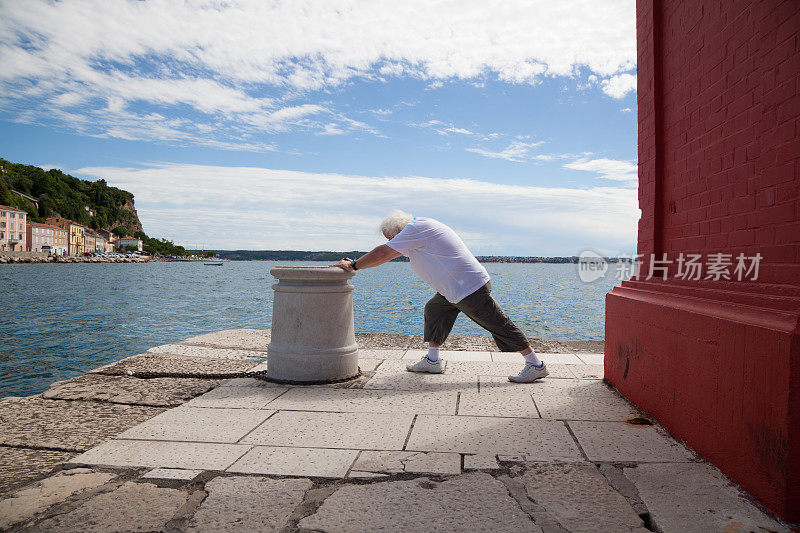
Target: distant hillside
(49,193)
(299,255)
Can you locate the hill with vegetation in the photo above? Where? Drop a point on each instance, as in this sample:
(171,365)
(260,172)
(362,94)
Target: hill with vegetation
(95,204)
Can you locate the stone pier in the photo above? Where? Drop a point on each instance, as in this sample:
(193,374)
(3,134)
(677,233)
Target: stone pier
(191,437)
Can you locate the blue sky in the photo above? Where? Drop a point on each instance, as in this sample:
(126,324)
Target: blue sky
(298,125)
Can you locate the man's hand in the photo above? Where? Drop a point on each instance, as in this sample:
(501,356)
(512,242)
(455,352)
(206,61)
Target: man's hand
(344,264)
(378,256)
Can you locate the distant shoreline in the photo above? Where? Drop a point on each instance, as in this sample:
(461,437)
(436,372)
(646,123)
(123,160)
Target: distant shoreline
(300,255)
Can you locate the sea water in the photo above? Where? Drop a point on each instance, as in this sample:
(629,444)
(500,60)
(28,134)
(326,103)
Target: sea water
(62,320)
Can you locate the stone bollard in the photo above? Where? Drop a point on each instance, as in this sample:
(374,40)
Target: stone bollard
(313,337)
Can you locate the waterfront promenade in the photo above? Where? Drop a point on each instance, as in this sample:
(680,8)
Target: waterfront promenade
(190,437)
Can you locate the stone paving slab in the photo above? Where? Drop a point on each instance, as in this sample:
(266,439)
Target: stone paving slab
(252,382)
(369,365)
(33,500)
(208,351)
(242,339)
(497,402)
(586,371)
(548,358)
(578,388)
(395,462)
(480,462)
(491,368)
(414,355)
(394,376)
(143,504)
(66,425)
(162,454)
(172,474)
(592,358)
(292,461)
(174,365)
(470,343)
(564,407)
(561,359)
(198,424)
(579,498)
(238,397)
(618,441)
(358,431)
(472,502)
(244,503)
(506,357)
(696,497)
(380,354)
(157,392)
(544,439)
(367,401)
(19,466)
(452,355)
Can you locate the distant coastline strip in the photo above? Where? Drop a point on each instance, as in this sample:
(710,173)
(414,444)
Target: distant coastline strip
(299,255)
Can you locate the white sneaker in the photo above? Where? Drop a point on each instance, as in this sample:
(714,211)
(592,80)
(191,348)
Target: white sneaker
(530,373)
(426,365)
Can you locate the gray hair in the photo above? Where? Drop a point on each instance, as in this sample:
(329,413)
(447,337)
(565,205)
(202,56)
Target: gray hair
(394,223)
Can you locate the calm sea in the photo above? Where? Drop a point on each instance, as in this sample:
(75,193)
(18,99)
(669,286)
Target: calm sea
(59,321)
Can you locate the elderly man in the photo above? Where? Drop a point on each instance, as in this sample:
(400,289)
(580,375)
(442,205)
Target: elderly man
(462,285)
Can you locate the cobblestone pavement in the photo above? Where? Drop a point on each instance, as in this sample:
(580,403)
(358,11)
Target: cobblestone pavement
(168,445)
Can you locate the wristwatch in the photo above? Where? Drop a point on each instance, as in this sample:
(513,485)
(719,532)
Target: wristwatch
(353,265)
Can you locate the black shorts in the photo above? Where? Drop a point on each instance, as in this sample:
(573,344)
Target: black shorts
(440,315)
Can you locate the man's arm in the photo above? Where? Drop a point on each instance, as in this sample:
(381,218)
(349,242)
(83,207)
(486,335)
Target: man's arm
(377,256)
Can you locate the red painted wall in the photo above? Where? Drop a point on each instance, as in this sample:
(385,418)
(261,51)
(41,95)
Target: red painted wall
(718,362)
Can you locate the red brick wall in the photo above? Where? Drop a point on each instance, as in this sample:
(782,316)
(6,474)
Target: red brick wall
(723,76)
(717,363)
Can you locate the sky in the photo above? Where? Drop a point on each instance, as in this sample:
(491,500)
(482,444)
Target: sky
(299,124)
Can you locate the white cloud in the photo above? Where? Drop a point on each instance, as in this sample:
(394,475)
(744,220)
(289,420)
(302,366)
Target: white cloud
(620,85)
(625,110)
(462,131)
(331,129)
(517,151)
(442,128)
(279,209)
(235,61)
(610,169)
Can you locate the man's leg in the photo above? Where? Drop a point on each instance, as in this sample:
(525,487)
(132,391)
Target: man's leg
(487,313)
(440,315)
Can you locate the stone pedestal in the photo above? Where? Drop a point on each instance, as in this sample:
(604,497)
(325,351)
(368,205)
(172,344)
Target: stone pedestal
(313,338)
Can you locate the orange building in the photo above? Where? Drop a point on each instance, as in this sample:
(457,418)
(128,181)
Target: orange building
(12,229)
(76,239)
(60,241)
(47,238)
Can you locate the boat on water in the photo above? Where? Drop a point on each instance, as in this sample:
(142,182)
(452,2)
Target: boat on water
(213,263)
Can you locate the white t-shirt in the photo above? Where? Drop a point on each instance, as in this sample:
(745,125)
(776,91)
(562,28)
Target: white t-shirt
(440,258)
